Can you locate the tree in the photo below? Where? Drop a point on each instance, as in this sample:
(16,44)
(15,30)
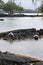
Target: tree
(1,4)
(40,8)
(19,8)
(11,6)
(0,1)
(11,0)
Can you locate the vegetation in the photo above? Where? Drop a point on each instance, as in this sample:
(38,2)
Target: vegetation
(40,9)
(10,7)
(1,4)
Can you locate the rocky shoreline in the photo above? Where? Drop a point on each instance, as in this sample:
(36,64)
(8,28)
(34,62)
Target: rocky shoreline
(22,34)
(7,58)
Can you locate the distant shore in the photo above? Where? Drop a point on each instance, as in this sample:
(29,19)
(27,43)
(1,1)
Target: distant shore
(19,15)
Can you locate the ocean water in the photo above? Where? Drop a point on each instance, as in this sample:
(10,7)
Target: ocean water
(28,47)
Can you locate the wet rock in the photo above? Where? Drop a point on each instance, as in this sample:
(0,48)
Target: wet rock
(40,31)
(7,58)
(27,64)
(6,52)
(33,30)
(38,63)
(21,34)
(36,37)
(1,19)
(10,36)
